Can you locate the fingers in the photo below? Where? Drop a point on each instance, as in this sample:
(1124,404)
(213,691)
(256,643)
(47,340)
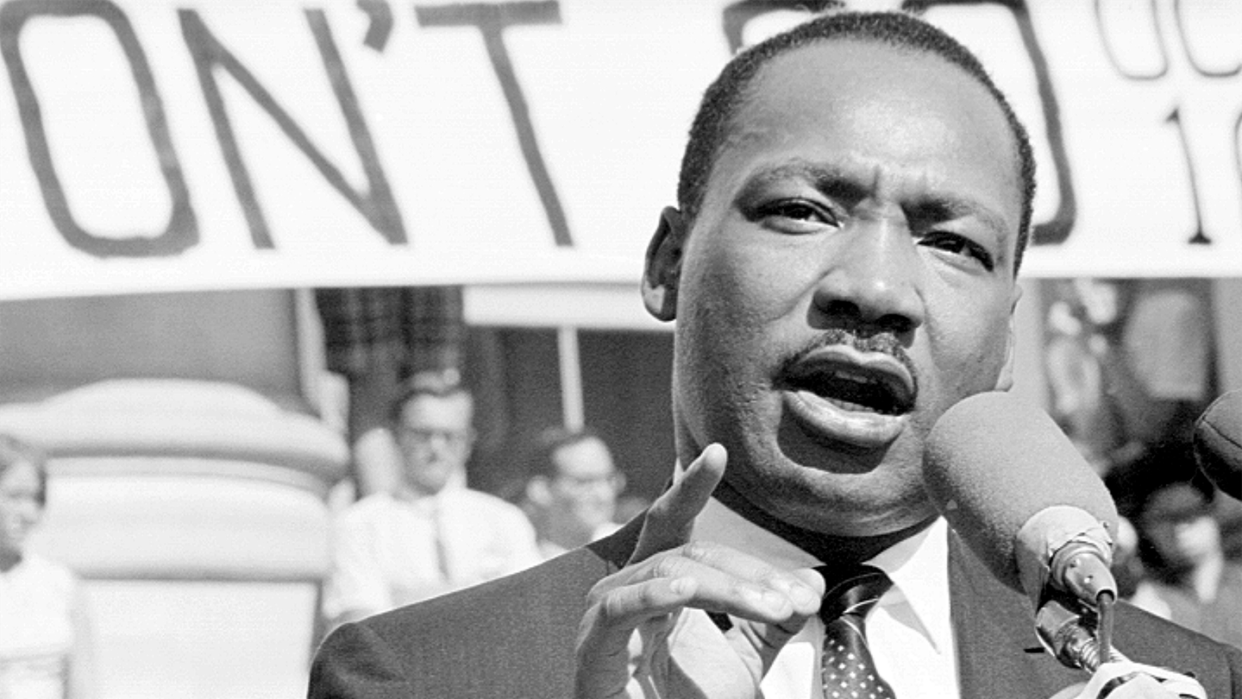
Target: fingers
(652,609)
(606,630)
(670,519)
(714,578)
(767,639)
(610,652)
(650,593)
(704,576)
(814,583)
(632,612)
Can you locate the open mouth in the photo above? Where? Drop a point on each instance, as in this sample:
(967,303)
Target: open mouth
(875,386)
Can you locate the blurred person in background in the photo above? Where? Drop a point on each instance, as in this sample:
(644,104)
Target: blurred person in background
(1077,324)
(373,338)
(1130,366)
(431,534)
(572,490)
(45,639)
(1188,578)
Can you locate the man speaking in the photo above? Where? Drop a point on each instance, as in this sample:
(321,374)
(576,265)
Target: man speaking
(852,209)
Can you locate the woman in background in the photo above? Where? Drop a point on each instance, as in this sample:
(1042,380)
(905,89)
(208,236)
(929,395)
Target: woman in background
(44,635)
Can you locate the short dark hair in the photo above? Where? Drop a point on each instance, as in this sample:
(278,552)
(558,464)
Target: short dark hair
(437,384)
(725,97)
(538,454)
(14,451)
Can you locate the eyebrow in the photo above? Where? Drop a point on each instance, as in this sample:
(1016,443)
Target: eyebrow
(936,208)
(842,184)
(827,179)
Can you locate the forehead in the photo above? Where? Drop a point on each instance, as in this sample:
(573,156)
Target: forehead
(429,408)
(583,455)
(869,106)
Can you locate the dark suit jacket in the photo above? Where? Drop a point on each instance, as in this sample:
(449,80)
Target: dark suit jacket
(514,638)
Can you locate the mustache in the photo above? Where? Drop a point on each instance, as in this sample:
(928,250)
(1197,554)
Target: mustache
(861,340)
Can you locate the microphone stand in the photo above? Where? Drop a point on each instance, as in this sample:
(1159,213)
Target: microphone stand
(1079,635)
(1074,610)
(1076,634)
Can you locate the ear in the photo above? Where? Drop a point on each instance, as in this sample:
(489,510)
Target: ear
(539,491)
(1004,381)
(662,271)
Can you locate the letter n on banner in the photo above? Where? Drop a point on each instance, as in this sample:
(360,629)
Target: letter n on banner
(376,203)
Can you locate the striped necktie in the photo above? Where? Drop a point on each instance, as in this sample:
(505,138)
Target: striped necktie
(847,670)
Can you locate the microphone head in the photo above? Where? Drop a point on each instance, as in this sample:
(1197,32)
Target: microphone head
(993,462)
(1218,443)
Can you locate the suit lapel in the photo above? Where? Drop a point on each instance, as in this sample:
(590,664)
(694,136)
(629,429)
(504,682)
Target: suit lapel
(616,548)
(994,627)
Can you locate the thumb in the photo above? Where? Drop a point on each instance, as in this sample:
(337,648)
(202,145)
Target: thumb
(670,519)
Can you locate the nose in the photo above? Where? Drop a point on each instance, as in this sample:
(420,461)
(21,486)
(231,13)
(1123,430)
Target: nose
(873,276)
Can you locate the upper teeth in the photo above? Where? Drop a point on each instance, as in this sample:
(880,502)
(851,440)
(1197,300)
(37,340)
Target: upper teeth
(850,376)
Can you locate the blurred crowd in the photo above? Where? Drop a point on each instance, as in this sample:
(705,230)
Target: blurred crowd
(427,532)
(1130,366)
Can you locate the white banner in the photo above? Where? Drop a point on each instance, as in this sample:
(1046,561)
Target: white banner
(151,145)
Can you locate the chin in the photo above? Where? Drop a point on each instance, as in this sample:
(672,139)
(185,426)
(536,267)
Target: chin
(846,504)
(862,519)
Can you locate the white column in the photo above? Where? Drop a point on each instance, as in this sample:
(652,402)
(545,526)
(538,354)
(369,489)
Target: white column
(572,409)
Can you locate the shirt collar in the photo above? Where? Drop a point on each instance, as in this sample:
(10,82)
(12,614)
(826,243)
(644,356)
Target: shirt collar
(456,483)
(918,566)
(919,569)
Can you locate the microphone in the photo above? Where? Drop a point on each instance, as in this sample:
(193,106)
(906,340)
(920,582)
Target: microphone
(1022,496)
(1026,502)
(1218,443)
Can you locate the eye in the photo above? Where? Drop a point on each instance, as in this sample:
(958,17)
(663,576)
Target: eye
(955,244)
(794,213)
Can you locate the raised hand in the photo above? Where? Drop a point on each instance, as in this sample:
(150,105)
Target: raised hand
(646,632)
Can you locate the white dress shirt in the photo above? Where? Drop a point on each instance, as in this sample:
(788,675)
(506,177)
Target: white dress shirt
(389,551)
(909,629)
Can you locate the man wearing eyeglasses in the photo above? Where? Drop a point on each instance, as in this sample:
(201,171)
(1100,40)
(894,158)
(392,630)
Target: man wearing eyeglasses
(572,489)
(431,534)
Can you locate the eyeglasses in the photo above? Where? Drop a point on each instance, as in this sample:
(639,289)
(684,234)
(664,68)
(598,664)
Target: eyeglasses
(424,435)
(615,481)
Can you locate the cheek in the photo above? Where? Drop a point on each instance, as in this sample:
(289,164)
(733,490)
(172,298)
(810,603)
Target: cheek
(970,346)
(732,329)
(747,280)
(717,321)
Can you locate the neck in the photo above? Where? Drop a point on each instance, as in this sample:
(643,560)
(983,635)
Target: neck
(825,547)
(410,493)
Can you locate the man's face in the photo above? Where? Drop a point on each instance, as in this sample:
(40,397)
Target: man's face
(848,278)
(435,438)
(585,489)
